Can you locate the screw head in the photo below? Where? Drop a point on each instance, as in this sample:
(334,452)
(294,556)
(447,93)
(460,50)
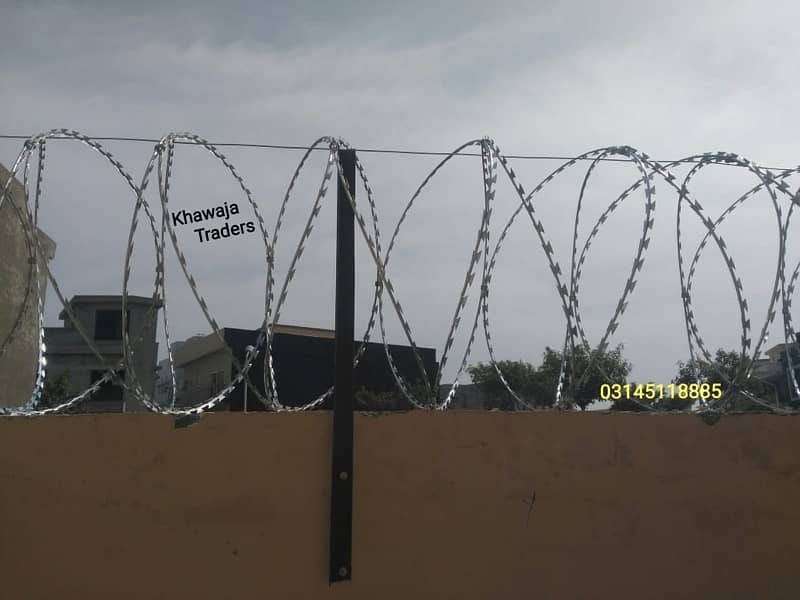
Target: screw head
(343,476)
(342,571)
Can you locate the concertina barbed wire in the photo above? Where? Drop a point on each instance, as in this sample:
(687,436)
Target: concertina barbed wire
(483,259)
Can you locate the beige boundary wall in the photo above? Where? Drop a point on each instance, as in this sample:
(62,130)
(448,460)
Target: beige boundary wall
(455,505)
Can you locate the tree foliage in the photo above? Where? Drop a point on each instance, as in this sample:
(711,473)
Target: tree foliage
(371,400)
(722,369)
(629,404)
(524,379)
(56,391)
(537,385)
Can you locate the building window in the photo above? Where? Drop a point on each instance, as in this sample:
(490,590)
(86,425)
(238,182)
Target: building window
(108,324)
(217,382)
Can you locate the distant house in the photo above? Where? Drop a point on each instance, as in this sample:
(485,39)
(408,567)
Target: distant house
(100,317)
(303,359)
(164,385)
(469,396)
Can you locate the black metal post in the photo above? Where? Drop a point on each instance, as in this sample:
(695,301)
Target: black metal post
(341,530)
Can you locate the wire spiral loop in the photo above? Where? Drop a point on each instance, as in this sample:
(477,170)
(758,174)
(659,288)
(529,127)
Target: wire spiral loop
(480,269)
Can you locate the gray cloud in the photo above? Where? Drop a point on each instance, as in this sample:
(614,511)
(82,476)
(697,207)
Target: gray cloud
(551,77)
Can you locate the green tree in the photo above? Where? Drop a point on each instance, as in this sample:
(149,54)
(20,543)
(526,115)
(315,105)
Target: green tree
(609,366)
(537,385)
(523,378)
(56,391)
(370,400)
(723,368)
(630,404)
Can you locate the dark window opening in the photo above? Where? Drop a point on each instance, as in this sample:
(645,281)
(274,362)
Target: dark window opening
(108,324)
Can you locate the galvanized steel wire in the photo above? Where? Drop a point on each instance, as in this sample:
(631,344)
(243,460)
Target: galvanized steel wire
(480,269)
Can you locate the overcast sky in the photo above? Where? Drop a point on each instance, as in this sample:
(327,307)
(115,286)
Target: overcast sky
(542,78)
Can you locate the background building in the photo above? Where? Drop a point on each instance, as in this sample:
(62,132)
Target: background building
(469,396)
(163,389)
(774,369)
(19,362)
(101,319)
(303,359)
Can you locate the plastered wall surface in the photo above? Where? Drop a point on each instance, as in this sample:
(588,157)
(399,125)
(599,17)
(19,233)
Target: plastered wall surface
(446,505)
(17,369)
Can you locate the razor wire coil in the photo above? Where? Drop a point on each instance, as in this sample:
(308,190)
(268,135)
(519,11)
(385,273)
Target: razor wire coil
(479,272)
